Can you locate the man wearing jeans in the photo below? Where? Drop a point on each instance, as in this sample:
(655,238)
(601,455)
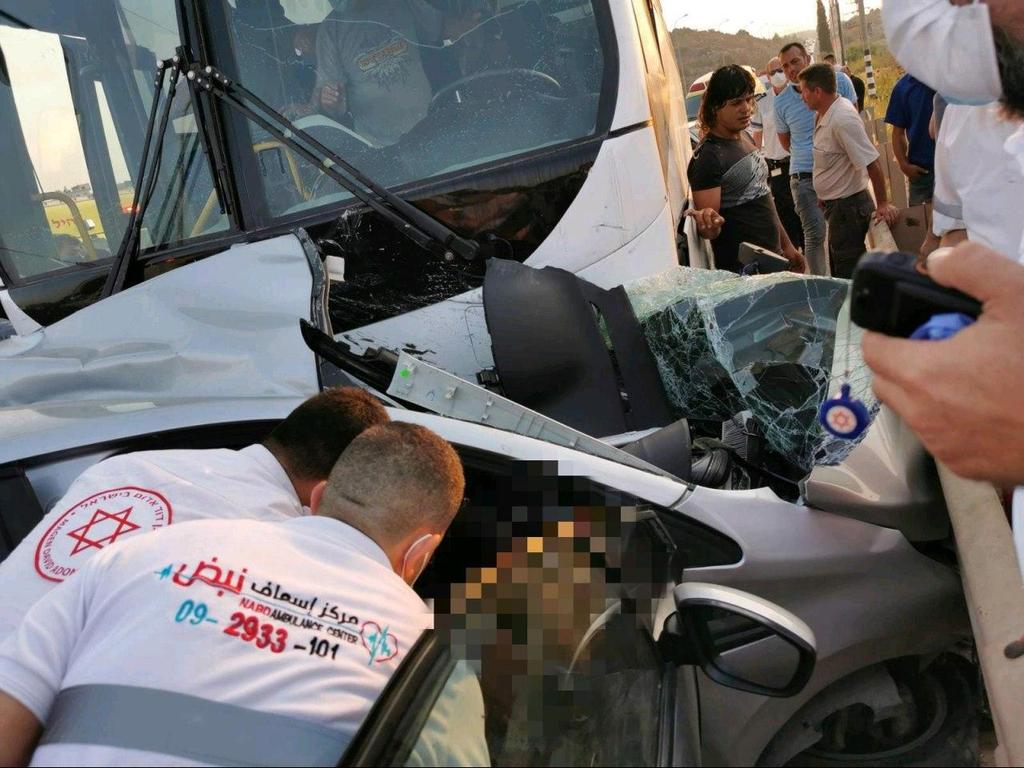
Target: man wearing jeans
(795,125)
(767,138)
(910,115)
(844,159)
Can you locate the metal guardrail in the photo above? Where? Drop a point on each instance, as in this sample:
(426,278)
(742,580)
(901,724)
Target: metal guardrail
(995,601)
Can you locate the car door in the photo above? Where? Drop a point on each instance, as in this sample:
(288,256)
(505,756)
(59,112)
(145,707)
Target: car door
(548,594)
(620,705)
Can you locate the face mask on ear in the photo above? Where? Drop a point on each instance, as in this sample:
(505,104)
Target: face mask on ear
(779,80)
(417,549)
(950,48)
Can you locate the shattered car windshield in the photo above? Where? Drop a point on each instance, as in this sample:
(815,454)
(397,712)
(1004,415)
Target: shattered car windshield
(410,89)
(775,346)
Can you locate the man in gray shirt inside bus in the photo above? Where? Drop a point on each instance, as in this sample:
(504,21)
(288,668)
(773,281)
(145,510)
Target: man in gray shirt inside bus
(369,64)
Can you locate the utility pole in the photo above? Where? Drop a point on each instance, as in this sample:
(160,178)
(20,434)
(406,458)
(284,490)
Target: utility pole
(837,18)
(870,70)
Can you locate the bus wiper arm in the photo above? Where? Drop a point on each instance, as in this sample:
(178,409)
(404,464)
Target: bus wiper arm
(420,227)
(149,171)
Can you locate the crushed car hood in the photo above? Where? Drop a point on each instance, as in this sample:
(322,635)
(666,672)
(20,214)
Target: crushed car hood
(226,325)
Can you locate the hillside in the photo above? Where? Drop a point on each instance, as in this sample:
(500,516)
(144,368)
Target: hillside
(703,50)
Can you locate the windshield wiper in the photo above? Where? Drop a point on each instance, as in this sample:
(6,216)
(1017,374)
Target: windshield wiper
(149,172)
(420,227)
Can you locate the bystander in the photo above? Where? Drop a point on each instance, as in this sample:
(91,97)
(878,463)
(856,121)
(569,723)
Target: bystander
(729,177)
(795,124)
(958,395)
(910,114)
(766,136)
(844,161)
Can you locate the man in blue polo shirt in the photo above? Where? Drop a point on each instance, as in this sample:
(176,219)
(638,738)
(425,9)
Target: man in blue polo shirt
(910,115)
(795,124)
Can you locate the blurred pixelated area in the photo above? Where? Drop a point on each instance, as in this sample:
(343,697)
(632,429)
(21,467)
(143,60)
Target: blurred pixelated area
(549,587)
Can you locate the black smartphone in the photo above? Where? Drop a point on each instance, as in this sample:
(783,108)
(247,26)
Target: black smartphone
(890,296)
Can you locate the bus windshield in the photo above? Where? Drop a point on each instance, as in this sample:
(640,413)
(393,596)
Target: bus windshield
(409,89)
(76,84)
(404,90)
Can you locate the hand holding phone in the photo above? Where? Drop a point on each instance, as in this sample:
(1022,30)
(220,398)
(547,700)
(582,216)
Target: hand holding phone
(891,296)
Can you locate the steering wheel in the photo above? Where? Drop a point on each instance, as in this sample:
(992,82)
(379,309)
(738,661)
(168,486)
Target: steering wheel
(472,87)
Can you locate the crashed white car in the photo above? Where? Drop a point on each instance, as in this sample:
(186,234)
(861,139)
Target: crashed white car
(213,355)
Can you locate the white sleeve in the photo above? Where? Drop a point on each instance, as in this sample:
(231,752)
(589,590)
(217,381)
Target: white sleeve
(34,659)
(948,206)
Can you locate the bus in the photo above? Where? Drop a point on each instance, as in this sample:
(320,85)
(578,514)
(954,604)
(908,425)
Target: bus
(556,127)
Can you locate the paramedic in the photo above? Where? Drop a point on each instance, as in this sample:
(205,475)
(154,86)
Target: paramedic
(235,642)
(131,494)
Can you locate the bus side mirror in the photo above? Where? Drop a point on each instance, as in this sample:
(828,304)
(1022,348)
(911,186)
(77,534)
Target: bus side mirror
(742,641)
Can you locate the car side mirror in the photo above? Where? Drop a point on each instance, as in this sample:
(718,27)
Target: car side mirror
(744,642)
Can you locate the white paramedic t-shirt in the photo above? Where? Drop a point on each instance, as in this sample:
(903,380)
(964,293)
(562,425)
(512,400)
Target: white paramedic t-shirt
(125,496)
(303,619)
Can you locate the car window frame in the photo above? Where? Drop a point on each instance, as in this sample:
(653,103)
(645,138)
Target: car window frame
(389,733)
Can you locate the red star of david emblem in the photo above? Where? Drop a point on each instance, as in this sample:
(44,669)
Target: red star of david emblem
(122,526)
(842,420)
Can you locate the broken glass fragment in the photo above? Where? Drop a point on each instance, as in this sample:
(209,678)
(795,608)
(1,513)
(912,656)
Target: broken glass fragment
(775,345)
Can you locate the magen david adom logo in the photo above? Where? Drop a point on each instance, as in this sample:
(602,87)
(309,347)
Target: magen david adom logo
(95,523)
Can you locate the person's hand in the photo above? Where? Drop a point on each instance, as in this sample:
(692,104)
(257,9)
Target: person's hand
(912,171)
(333,98)
(797,262)
(888,213)
(709,222)
(928,247)
(962,396)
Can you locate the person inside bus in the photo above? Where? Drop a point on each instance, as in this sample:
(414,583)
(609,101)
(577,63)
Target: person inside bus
(729,176)
(379,63)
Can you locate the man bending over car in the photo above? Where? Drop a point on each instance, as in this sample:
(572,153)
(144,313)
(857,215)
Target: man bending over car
(237,642)
(128,495)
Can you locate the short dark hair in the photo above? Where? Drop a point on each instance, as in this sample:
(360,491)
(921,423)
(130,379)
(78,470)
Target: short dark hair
(1010,57)
(727,83)
(820,76)
(787,46)
(830,57)
(394,478)
(310,440)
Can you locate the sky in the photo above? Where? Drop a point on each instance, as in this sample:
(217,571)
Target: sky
(762,18)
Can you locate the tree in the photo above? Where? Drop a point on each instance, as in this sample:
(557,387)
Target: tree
(824,35)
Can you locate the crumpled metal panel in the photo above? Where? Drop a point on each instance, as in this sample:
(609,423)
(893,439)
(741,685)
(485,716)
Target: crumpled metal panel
(225,326)
(726,344)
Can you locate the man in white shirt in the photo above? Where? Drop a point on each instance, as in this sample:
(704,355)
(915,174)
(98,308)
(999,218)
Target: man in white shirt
(959,395)
(128,495)
(977,192)
(845,161)
(766,136)
(237,641)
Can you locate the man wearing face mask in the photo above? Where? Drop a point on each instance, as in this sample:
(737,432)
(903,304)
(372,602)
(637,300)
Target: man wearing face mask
(237,642)
(954,393)
(766,136)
